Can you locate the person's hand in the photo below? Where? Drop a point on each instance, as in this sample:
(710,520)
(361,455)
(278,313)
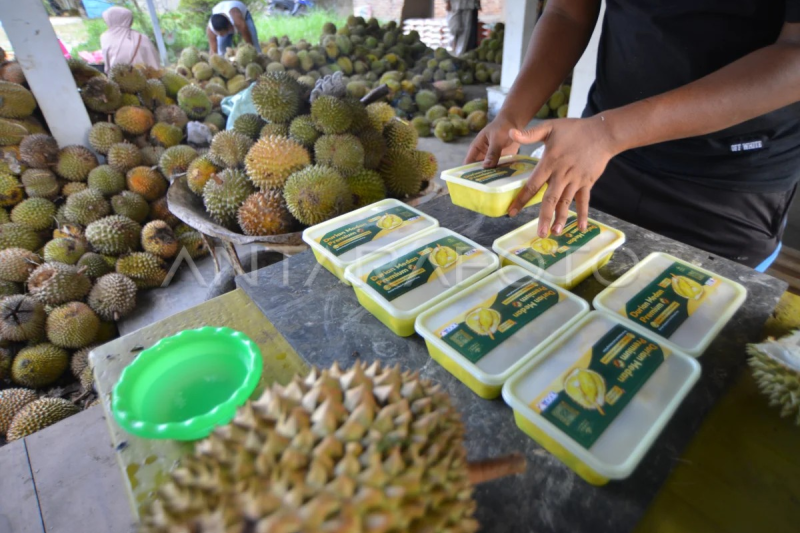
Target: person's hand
(492,142)
(576,154)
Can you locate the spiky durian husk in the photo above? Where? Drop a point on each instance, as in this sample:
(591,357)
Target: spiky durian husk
(335,451)
(277,97)
(273,159)
(776,367)
(229,148)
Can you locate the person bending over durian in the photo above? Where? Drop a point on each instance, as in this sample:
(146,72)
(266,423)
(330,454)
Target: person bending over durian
(692,127)
(227,19)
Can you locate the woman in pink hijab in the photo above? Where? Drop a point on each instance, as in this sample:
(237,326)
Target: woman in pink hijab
(121,44)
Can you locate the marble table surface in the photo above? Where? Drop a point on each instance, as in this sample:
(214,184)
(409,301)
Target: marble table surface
(323,322)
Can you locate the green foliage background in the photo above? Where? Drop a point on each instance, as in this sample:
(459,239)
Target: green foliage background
(186,26)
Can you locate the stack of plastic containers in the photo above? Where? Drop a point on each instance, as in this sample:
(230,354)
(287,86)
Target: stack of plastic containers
(593,388)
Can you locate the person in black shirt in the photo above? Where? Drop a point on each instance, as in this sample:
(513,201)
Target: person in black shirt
(692,127)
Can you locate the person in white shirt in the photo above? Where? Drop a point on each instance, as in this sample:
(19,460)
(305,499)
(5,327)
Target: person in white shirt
(228,18)
(462,19)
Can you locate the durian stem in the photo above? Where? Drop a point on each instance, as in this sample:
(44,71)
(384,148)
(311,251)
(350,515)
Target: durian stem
(375,94)
(491,469)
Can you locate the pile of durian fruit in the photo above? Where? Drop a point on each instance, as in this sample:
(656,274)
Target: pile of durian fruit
(307,156)
(366,54)
(80,235)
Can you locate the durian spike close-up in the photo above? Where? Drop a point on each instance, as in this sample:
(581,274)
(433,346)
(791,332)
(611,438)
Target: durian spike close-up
(366,449)
(775,364)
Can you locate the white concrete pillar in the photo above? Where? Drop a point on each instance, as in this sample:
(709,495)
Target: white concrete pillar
(162,51)
(585,71)
(36,48)
(520,18)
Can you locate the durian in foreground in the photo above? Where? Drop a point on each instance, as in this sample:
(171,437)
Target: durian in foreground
(776,367)
(368,449)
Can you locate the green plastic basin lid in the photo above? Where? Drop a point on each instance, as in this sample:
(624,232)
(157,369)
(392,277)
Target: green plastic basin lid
(185,385)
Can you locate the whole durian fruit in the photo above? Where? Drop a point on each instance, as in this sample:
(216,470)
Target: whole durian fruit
(39,366)
(369,449)
(15,101)
(224,193)
(400,135)
(331,115)
(134,120)
(159,239)
(18,236)
(39,151)
(194,102)
(344,152)
(11,402)
(176,160)
(229,148)
(114,235)
(130,79)
(399,171)
(40,183)
(272,159)
(40,414)
(146,182)
(776,368)
(249,124)
(265,213)
(75,162)
(124,156)
(73,325)
(199,172)
(16,264)
(277,97)
(21,318)
(64,250)
(58,283)
(367,187)
(317,193)
(107,180)
(147,271)
(113,296)
(36,213)
(86,206)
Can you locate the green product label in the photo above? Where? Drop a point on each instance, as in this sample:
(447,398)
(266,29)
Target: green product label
(419,267)
(353,235)
(547,251)
(480,330)
(506,170)
(671,298)
(586,399)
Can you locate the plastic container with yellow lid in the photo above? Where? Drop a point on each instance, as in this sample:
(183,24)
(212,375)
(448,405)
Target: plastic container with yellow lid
(484,333)
(599,395)
(565,259)
(340,242)
(683,304)
(398,283)
(490,191)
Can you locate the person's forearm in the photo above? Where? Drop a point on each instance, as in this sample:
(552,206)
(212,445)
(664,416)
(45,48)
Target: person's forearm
(212,41)
(558,41)
(245,32)
(758,83)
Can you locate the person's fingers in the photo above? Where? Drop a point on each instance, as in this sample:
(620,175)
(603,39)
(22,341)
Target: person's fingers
(475,153)
(582,207)
(562,209)
(538,178)
(493,153)
(532,135)
(555,187)
(477,149)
